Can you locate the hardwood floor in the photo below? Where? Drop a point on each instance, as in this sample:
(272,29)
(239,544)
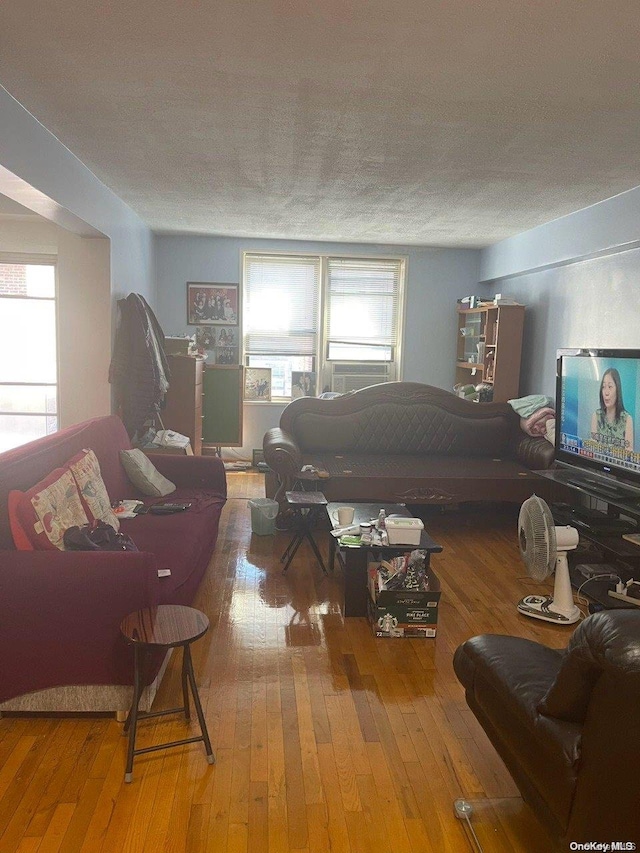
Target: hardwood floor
(326,738)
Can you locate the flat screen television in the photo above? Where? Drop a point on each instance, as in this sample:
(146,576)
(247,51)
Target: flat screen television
(598,416)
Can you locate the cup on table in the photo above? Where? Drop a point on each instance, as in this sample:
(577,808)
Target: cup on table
(343,515)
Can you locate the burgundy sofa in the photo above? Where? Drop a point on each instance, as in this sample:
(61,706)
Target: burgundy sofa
(60,644)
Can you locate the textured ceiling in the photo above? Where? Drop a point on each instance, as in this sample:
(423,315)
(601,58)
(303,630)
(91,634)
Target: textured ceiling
(442,122)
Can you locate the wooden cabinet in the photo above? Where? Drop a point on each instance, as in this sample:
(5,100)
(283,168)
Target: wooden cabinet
(183,409)
(489,348)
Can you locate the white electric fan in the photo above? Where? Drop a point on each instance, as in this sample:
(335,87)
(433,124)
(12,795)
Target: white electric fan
(544,547)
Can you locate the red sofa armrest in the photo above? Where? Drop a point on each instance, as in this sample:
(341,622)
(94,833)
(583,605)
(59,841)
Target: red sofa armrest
(205,472)
(61,614)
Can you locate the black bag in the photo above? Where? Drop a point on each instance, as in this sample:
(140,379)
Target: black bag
(98,536)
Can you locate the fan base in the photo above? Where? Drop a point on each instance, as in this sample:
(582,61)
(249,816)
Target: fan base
(540,607)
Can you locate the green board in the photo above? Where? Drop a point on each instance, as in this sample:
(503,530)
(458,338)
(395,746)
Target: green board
(223,389)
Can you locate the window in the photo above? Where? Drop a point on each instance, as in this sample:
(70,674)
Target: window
(362,309)
(281,311)
(360,300)
(28,353)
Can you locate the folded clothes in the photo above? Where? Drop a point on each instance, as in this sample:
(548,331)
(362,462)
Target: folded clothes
(551,430)
(542,415)
(526,406)
(536,424)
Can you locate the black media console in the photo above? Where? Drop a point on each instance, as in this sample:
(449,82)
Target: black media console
(602,548)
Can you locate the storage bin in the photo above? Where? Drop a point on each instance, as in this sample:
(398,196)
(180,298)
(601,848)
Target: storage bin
(263,516)
(404,531)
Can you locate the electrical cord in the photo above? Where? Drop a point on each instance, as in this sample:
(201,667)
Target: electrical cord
(608,576)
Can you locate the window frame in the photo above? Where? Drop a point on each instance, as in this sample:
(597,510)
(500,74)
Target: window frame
(28,259)
(323,364)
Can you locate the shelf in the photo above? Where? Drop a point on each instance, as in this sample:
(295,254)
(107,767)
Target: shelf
(485,327)
(624,498)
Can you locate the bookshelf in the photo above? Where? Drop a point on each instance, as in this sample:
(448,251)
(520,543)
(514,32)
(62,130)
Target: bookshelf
(489,348)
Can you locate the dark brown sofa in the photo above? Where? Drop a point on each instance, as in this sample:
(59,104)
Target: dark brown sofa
(403,442)
(566,724)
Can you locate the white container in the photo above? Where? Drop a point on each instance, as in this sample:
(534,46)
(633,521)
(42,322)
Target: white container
(404,531)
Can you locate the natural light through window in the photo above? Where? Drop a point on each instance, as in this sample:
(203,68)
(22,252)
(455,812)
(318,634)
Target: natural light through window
(28,353)
(322,323)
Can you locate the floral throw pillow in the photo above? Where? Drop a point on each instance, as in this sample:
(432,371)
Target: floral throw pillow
(86,471)
(40,516)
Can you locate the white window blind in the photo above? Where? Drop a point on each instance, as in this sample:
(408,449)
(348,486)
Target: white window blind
(363,308)
(281,296)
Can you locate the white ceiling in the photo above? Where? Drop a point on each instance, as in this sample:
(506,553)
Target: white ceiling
(442,122)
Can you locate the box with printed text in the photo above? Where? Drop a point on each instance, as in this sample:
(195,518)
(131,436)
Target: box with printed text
(402,612)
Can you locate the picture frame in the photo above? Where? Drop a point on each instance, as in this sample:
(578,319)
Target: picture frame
(227,336)
(257,384)
(212,304)
(227,355)
(206,337)
(303,384)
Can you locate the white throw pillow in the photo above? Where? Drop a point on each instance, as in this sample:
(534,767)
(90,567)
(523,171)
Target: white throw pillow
(144,475)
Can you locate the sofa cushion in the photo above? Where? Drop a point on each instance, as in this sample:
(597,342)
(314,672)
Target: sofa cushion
(182,541)
(144,475)
(86,472)
(40,516)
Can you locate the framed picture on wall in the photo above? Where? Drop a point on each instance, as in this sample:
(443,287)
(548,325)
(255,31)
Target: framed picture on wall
(205,337)
(211,304)
(257,385)
(227,355)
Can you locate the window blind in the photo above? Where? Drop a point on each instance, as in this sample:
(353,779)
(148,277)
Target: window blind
(281,296)
(363,302)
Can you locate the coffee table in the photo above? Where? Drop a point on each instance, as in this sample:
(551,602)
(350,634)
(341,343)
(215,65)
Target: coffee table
(354,558)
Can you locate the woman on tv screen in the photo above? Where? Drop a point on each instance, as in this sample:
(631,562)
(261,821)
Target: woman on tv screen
(611,424)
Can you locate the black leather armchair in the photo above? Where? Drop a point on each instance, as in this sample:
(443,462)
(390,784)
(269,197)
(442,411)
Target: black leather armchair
(566,724)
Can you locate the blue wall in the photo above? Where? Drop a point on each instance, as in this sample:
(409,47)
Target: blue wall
(435,279)
(39,160)
(579,278)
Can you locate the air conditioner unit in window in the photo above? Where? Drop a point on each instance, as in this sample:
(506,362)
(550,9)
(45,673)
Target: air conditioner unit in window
(347,377)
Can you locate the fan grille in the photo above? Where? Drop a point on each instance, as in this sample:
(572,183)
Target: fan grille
(537,537)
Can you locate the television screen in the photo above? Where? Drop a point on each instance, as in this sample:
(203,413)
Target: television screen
(598,411)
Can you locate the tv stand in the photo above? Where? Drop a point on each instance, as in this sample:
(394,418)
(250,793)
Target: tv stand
(619,496)
(610,548)
(613,492)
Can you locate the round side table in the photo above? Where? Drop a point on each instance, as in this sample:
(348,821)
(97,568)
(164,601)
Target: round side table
(166,626)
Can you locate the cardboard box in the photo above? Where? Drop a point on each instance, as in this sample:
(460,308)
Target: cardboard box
(403,613)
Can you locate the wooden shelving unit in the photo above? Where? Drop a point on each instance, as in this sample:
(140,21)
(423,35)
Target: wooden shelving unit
(489,348)
(183,402)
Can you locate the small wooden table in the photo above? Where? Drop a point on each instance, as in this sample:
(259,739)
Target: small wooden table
(166,626)
(354,558)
